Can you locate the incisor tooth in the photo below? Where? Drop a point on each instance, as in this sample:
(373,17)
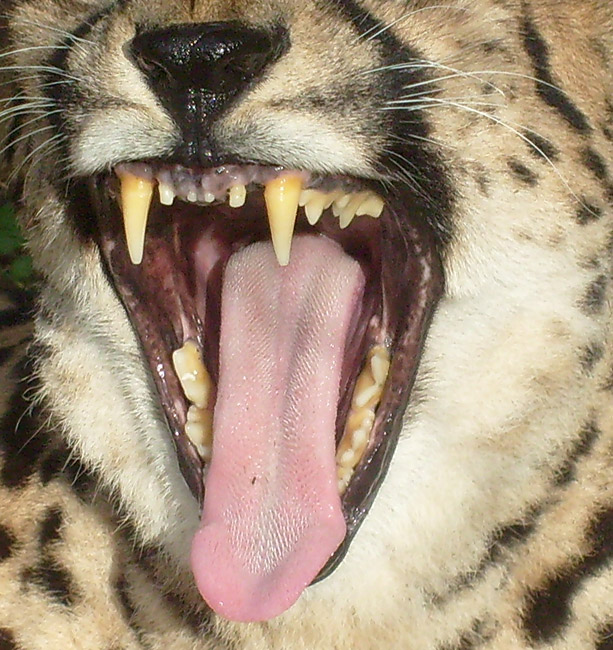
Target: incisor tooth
(136,195)
(192,373)
(167,195)
(237,197)
(282,195)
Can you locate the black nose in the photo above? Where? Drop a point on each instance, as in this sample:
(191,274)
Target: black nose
(197,69)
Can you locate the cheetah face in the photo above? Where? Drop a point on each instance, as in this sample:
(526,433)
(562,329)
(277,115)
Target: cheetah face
(281,301)
(313,262)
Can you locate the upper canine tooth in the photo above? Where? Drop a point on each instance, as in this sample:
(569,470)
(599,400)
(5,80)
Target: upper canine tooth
(282,195)
(136,195)
(237,197)
(167,195)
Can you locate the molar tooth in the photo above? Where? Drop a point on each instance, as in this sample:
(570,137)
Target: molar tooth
(372,206)
(282,195)
(306,196)
(199,429)
(340,203)
(348,212)
(237,196)
(192,373)
(361,417)
(136,195)
(192,196)
(209,197)
(315,207)
(167,194)
(379,364)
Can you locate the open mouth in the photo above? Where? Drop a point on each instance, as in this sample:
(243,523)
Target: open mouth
(282,314)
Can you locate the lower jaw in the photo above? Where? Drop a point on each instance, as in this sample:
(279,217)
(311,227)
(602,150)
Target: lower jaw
(402,285)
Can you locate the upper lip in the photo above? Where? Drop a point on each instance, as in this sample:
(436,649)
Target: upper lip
(412,282)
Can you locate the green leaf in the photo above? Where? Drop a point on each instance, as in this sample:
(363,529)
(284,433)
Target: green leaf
(20,270)
(11,239)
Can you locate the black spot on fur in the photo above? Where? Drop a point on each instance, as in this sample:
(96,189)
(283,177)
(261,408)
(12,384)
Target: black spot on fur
(50,526)
(13,316)
(595,163)
(523,173)
(587,437)
(605,641)
(22,441)
(590,356)
(6,353)
(540,147)
(62,463)
(593,300)
(474,638)
(7,640)
(549,609)
(7,543)
(548,91)
(50,576)
(121,589)
(587,213)
(502,541)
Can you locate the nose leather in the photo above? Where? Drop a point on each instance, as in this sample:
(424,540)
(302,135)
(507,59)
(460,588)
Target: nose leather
(197,70)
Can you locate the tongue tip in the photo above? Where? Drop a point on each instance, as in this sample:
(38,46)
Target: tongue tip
(244,596)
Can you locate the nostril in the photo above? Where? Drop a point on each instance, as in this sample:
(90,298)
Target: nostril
(205,56)
(196,70)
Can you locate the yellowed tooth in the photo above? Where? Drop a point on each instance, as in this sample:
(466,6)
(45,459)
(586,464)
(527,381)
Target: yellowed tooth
(348,212)
(282,195)
(372,206)
(306,196)
(199,429)
(192,373)
(136,195)
(315,207)
(361,417)
(340,203)
(237,197)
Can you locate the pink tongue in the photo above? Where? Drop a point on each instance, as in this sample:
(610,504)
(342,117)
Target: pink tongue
(272,514)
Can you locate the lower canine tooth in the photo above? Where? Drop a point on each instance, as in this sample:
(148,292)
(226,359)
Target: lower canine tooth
(193,375)
(136,195)
(282,195)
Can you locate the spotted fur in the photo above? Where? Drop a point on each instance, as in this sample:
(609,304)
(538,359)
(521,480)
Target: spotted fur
(494,526)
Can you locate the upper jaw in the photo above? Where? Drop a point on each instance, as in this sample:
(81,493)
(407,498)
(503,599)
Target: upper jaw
(405,280)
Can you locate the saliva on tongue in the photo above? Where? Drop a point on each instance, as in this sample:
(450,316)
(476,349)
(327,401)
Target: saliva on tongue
(272,513)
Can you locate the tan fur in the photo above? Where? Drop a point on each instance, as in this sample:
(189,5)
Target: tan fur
(474,539)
